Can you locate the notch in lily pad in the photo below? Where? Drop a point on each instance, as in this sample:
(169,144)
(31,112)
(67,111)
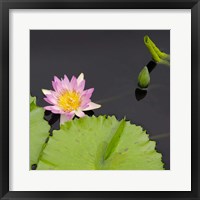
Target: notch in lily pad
(157,55)
(144,78)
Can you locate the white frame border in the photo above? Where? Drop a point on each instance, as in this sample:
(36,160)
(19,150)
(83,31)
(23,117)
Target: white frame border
(176,179)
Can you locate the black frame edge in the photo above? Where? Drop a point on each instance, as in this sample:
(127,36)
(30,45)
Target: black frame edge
(194,98)
(5,5)
(4,101)
(100,4)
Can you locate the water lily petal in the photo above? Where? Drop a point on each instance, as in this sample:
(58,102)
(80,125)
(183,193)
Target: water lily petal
(50,98)
(84,102)
(79,113)
(66,78)
(54,109)
(92,106)
(55,94)
(73,83)
(66,117)
(65,83)
(56,79)
(85,98)
(44,91)
(48,101)
(81,86)
(80,78)
(87,93)
(57,86)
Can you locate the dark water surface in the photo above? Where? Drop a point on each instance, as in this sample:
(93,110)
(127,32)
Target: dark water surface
(111,61)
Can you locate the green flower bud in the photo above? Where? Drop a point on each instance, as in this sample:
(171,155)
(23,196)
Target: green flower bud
(144,78)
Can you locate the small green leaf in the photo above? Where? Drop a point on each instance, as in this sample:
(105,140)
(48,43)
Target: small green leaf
(144,78)
(32,100)
(100,143)
(157,55)
(39,131)
(115,140)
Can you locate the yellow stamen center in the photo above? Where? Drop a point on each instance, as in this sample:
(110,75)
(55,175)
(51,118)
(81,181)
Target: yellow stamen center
(69,101)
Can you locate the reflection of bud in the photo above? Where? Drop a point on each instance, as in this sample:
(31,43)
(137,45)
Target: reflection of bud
(144,78)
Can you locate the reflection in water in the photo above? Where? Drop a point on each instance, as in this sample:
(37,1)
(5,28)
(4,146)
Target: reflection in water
(140,94)
(163,135)
(151,65)
(54,119)
(34,166)
(89,112)
(47,112)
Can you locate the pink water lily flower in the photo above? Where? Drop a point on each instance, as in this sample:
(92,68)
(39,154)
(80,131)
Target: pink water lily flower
(69,98)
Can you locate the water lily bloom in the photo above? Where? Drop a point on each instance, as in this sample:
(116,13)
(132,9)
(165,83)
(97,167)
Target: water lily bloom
(69,98)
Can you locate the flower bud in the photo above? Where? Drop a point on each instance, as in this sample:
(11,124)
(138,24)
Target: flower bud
(144,78)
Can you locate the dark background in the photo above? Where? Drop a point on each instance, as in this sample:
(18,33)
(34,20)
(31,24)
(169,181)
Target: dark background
(111,61)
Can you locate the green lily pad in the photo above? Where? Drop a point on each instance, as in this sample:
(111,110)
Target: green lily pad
(39,131)
(100,143)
